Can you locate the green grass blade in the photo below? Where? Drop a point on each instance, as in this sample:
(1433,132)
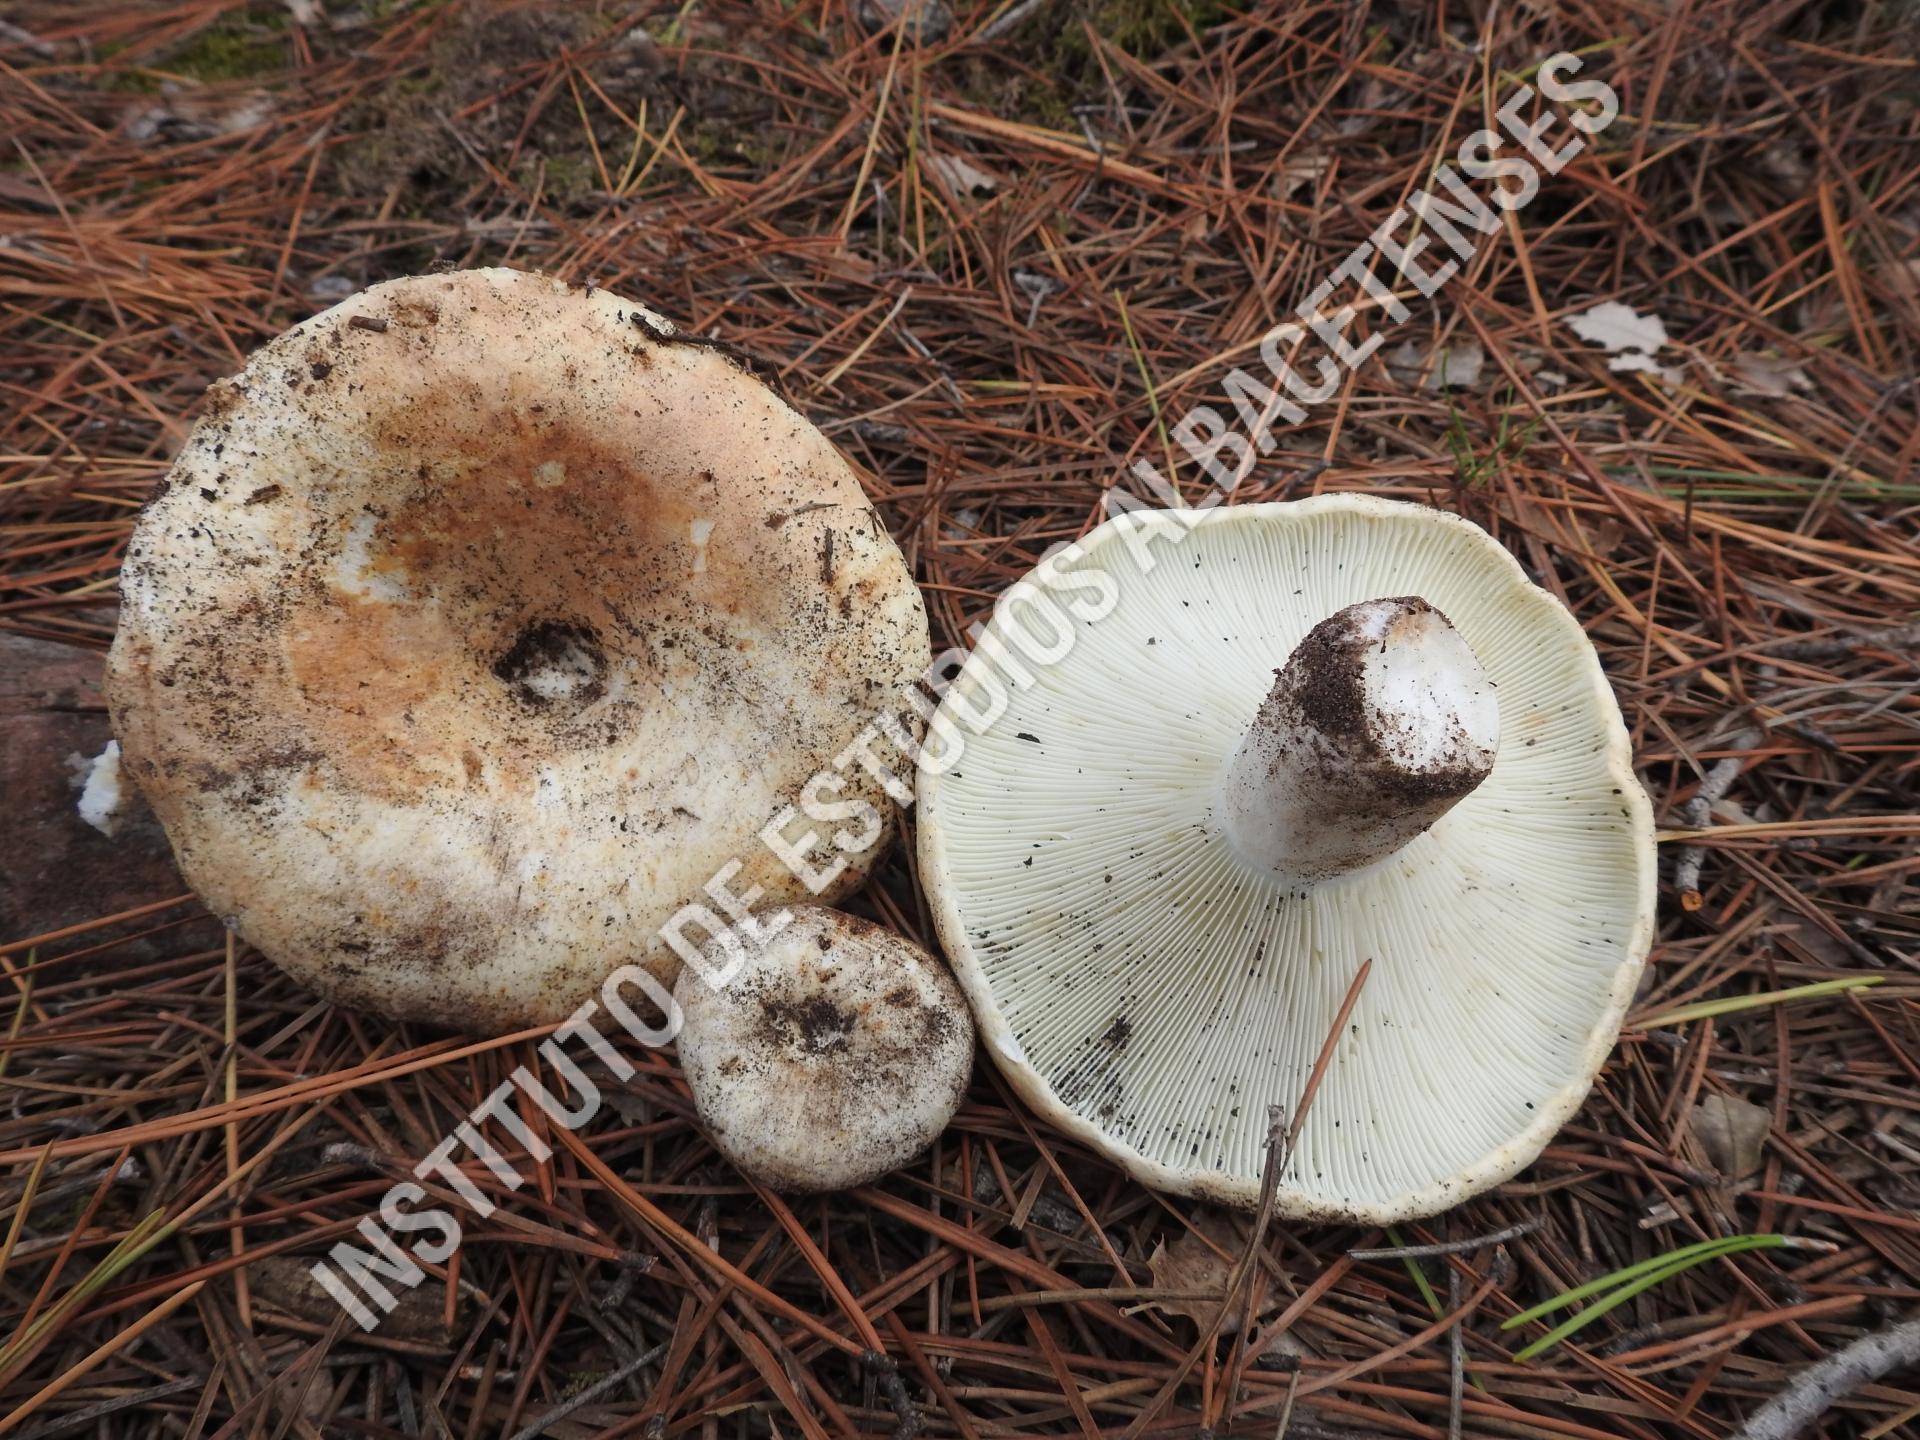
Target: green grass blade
(1582,1318)
(1419,1276)
(1707,1009)
(1622,1285)
(1616,1277)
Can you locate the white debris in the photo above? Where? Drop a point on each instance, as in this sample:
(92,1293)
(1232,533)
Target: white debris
(1628,360)
(101,796)
(962,524)
(184,114)
(331,289)
(1615,327)
(12,34)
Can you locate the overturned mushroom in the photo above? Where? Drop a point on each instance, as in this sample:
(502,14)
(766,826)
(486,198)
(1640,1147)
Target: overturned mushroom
(1307,736)
(483,622)
(827,1056)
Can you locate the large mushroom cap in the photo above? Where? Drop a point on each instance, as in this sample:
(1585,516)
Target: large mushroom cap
(829,1056)
(1151,981)
(480,623)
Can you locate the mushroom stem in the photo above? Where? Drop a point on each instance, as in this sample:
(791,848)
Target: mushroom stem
(1379,723)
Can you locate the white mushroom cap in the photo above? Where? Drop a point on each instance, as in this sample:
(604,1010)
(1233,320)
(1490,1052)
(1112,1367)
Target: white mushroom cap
(482,621)
(830,1055)
(1151,968)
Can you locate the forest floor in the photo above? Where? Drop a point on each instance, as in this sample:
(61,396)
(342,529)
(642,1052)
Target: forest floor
(996,258)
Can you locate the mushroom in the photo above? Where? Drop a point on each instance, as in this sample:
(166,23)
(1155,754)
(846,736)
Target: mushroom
(1306,736)
(481,625)
(831,1053)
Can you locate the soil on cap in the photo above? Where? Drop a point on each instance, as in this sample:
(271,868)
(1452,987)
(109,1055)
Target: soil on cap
(895,1039)
(548,645)
(817,1025)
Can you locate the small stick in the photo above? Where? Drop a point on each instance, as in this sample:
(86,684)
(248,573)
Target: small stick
(81,1419)
(592,1393)
(1813,1391)
(886,1375)
(1699,810)
(1894,637)
(1449,1247)
(1286,1413)
(1456,1358)
(1145,1294)
(1009,21)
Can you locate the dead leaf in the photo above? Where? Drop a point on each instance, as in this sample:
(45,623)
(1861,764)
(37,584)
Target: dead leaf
(1728,812)
(286,1283)
(1303,170)
(1820,313)
(1203,1257)
(1810,942)
(1768,375)
(1902,276)
(1603,537)
(1732,1133)
(1616,327)
(633,1109)
(960,175)
(928,22)
(1193,236)
(1457,366)
(1375,95)
(1787,164)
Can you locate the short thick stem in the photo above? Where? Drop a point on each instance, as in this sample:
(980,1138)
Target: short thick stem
(1379,723)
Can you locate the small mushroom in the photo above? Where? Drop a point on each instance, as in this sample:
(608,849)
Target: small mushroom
(483,622)
(1307,736)
(827,1056)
